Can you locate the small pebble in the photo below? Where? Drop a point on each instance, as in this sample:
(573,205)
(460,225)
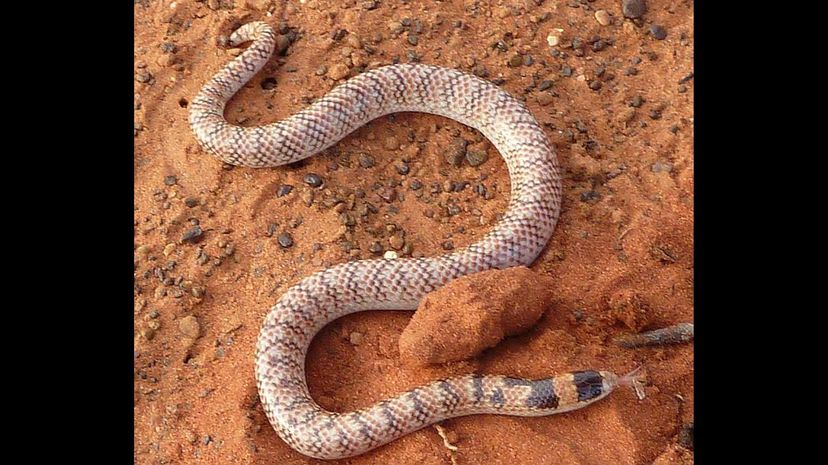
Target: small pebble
(307,197)
(603,17)
(194,234)
(285,240)
(189,327)
(366,161)
(589,196)
(389,194)
(456,151)
(376,247)
(143,76)
(313,180)
(191,202)
(390,255)
(633,8)
(170,180)
(413,39)
(685,436)
(415,184)
(142,252)
(476,157)
(636,101)
(396,241)
(448,245)
(658,32)
(402,169)
(284,190)
(544,85)
(337,71)
(660,166)
(515,61)
(595,85)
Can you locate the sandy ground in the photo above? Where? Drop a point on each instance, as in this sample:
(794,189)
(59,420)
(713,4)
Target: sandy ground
(618,106)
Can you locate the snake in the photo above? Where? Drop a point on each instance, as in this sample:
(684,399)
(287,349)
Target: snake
(392,283)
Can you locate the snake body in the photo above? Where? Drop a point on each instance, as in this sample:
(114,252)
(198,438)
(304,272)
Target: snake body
(305,308)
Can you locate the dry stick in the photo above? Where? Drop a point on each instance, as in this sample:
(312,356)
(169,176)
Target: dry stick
(682,332)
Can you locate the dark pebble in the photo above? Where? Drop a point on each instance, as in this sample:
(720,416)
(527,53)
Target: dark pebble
(686,78)
(588,196)
(268,83)
(376,247)
(453,210)
(194,234)
(191,202)
(387,193)
(528,60)
(685,436)
(403,168)
(566,71)
(658,32)
(595,85)
(370,5)
(515,61)
(633,8)
(448,245)
(599,45)
(544,85)
(682,88)
(413,39)
(168,47)
(636,101)
(655,114)
(415,185)
(285,240)
(313,180)
(284,190)
(170,180)
(143,76)
(366,161)
(631,71)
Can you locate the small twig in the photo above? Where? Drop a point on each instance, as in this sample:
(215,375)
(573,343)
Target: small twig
(447,444)
(675,334)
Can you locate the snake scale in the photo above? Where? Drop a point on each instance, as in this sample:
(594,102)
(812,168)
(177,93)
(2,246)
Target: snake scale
(305,308)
